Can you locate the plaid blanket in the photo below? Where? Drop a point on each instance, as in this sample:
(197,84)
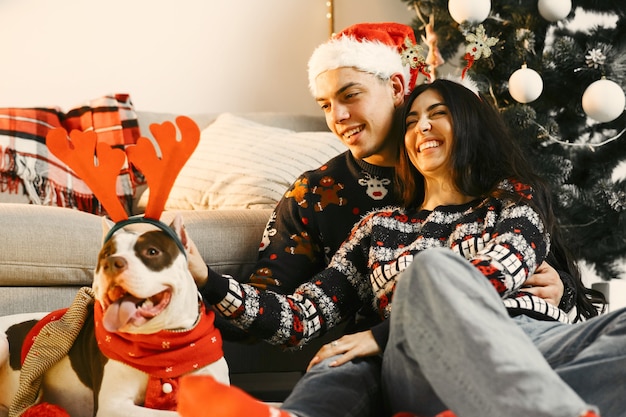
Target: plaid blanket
(25,160)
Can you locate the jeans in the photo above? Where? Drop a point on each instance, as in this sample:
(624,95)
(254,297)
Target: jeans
(350,390)
(452,342)
(590,357)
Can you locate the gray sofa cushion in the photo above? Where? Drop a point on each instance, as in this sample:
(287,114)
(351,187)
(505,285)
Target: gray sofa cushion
(47,246)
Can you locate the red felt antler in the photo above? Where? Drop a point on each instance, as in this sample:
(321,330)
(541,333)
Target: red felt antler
(99,173)
(161,172)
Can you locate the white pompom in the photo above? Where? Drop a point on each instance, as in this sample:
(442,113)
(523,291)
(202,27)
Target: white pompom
(474,11)
(604,100)
(525,85)
(554,10)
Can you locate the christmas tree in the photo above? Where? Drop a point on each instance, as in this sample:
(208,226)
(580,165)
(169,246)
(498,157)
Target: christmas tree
(572,125)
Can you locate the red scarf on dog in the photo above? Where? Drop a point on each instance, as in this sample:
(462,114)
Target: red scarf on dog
(164,356)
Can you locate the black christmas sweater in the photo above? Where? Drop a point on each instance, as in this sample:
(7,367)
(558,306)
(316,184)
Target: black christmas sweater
(505,241)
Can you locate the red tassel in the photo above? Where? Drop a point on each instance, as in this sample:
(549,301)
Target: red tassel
(470,61)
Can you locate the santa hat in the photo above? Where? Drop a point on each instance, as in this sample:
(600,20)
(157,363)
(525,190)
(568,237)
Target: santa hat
(381,49)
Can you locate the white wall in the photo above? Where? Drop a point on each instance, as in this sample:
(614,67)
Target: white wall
(349,12)
(183,57)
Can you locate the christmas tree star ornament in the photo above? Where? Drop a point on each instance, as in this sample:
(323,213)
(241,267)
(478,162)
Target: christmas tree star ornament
(478,45)
(604,100)
(525,85)
(595,58)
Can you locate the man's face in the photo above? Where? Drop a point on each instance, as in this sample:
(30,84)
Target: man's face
(359,108)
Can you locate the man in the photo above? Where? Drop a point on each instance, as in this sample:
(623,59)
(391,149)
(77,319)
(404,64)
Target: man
(359,78)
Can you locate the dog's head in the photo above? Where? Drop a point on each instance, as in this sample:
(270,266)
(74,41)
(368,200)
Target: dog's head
(142,280)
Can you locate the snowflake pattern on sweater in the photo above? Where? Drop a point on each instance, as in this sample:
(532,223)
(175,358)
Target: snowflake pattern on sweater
(504,241)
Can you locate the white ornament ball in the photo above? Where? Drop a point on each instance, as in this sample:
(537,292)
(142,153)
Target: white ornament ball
(525,85)
(554,10)
(474,11)
(604,100)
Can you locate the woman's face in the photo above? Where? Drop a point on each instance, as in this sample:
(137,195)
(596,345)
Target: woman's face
(430,135)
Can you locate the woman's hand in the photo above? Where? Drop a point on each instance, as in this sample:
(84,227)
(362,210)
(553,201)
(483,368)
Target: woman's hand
(545,283)
(349,347)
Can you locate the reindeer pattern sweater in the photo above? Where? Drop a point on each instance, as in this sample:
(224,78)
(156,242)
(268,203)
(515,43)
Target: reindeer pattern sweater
(505,241)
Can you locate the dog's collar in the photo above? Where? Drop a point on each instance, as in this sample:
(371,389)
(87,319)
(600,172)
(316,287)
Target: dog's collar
(134,220)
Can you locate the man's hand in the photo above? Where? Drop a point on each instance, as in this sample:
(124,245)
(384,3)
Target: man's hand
(545,283)
(349,347)
(197,267)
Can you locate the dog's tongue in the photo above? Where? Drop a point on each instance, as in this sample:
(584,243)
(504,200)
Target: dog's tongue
(119,313)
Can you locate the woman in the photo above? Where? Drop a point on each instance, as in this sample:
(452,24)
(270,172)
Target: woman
(456,146)
(468,192)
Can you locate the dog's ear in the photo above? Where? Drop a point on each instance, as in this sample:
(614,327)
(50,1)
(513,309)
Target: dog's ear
(106,226)
(178,226)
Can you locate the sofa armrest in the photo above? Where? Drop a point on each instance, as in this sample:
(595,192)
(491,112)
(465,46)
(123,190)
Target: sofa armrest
(45,246)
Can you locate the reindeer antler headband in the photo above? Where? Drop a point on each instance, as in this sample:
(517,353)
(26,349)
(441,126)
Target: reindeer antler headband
(98,165)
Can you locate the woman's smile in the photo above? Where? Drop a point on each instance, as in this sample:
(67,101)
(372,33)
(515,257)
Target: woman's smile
(428,145)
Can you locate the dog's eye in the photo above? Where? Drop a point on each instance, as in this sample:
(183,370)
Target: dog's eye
(152,251)
(105,254)
(107,250)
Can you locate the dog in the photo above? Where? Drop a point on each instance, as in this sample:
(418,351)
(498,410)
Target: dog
(138,337)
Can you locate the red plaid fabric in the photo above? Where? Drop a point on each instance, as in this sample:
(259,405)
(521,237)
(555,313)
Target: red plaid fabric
(25,160)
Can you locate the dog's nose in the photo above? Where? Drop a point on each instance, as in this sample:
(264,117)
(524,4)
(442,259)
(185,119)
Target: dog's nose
(115,264)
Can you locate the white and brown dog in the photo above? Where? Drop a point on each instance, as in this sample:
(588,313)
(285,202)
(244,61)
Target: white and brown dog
(147,328)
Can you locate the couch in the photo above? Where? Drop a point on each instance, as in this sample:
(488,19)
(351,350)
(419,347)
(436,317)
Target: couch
(48,252)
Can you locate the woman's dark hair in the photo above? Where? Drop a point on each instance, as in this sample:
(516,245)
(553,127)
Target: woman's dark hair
(483,155)
(483,152)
